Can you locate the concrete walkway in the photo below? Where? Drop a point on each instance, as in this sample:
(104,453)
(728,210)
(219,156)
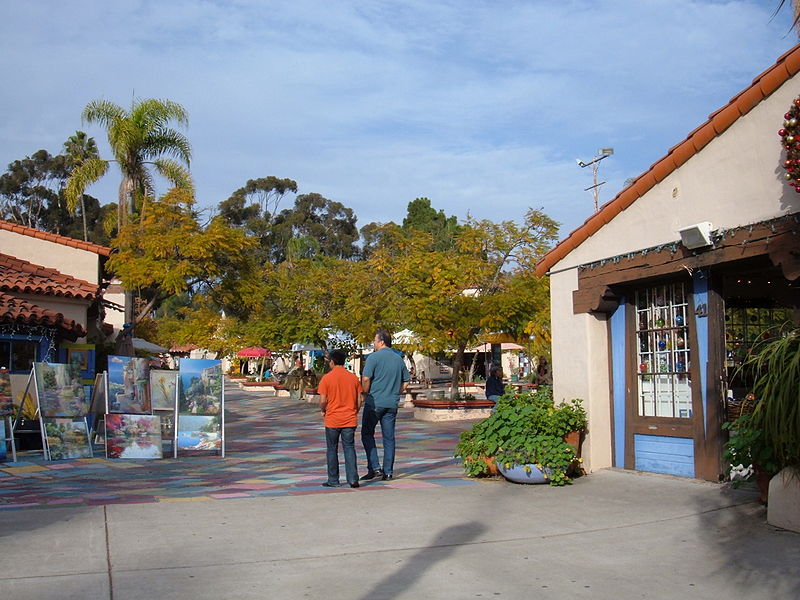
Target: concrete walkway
(610,535)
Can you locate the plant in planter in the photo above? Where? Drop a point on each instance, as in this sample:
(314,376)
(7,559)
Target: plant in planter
(769,437)
(526,430)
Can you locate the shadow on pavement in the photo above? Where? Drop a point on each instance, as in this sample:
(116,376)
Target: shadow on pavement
(442,546)
(760,559)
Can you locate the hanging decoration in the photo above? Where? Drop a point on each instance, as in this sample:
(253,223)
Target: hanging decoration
(790,138)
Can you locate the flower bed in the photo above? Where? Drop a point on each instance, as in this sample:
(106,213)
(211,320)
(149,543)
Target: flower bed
(451,410)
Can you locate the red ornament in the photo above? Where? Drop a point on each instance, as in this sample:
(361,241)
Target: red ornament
(781,132)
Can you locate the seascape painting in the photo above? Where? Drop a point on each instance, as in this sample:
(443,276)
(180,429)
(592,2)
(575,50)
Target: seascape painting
(199,432)
(163,387)
(3,440)
(200,386)
(6,396)
(133,436)
(60,389)
(128,385)
(67,438)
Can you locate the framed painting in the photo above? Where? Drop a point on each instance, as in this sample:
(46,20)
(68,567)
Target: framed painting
(60,390)
(199,432)
(3,440)
(133,436)
(128,385)
(79,357)
(200,387)
(66,438)
(163,389)
(6,395)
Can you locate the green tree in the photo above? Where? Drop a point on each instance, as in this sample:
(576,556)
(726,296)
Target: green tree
(421,216)
(30,186)
(141,141)
(77,149)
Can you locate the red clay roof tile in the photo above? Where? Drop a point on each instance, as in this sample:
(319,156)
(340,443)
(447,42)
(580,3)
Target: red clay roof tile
(17,275)
(58,239)
(767,82)
(17,310)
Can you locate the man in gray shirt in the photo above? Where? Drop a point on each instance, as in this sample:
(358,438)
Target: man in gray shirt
(384,377)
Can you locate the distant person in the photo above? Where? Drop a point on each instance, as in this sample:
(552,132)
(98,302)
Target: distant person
(339,400)
(494,384)
(543,375)
(384,378)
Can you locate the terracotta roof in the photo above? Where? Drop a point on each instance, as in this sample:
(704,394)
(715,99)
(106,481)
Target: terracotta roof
(17,310)
(17,275)
(763,85)
(53,237)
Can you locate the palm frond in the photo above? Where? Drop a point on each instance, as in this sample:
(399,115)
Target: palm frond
(168,142)
(102,112)
(83,175)
(176,173)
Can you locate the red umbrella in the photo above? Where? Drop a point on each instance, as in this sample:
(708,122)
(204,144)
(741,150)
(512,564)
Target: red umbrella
(253,352)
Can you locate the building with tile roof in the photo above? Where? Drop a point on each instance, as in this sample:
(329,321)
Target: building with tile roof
(656,298)
(51,288)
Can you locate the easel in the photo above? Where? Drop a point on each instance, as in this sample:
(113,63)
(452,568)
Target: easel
(18,418)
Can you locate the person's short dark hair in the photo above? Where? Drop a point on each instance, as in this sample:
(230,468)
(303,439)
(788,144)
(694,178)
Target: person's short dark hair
(338,357)
(384,336)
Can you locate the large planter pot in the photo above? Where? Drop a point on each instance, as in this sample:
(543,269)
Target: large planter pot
(523,474)
(784,500)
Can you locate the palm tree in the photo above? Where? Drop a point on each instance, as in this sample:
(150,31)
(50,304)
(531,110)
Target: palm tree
(139,138)
(79,148)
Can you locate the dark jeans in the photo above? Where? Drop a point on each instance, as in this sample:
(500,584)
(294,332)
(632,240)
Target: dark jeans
(370,419)
(348,435)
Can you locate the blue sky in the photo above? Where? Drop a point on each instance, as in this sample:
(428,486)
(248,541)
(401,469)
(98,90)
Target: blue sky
(482,106)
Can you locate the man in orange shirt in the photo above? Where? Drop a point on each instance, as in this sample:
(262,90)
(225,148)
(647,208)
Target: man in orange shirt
(339,401)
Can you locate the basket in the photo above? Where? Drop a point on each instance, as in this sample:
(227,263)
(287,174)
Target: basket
(737,408)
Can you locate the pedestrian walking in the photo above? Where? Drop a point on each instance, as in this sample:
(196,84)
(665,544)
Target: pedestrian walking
(340,400)
(384,378)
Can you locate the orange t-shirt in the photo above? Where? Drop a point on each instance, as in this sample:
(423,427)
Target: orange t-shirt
(342,390)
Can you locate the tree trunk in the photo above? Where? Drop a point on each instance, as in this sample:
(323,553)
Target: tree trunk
(83,214)
(458,360)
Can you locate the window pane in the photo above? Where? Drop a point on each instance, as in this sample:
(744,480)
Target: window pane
(663,352)
(5,354)
(23,355)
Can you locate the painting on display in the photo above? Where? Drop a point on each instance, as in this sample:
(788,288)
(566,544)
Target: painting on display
(3,440)
(133,436)
(128,385)
(20,397)
(200,387)
(60,390)
(163,387)
(196,432)
(67,438)
(167,427)
(6,396)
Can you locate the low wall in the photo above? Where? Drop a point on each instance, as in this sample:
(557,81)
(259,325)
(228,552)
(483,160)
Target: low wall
(446,410)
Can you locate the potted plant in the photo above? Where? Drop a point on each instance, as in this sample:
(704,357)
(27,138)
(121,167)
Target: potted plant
(525,435)
(769,437)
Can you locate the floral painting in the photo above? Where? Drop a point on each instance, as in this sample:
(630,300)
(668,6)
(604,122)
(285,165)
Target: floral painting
(128,385)
(67,438)
(133,436)
(6,397)
(21,397)
(163,386)
(200,387)
(60,390)
(199,432)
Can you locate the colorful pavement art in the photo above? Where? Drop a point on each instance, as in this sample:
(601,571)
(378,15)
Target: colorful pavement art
(274,447)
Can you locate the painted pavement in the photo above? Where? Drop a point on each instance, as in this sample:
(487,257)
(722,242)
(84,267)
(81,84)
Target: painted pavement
(274,447)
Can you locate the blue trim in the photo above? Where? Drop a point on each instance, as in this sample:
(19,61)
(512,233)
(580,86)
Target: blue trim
(618,346)
(662,454)
(700,290)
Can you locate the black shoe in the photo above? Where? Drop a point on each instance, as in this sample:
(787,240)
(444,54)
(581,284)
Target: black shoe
(372,475)
(328,484)
(387,477)
(355,484)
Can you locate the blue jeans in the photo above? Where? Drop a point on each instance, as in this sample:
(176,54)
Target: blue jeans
(348,435)
(370,419)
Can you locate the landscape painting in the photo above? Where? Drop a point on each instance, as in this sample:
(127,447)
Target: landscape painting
(200,387)
(163,387)
(67,438)
(128,385)
(6,396)
(197,432)
(60,390)
(133,436)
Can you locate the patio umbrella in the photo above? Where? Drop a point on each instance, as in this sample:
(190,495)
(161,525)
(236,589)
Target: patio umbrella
(255,352)
(504,346)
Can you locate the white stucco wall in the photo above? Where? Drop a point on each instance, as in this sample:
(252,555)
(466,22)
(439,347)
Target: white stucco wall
(735,180)
(80,264)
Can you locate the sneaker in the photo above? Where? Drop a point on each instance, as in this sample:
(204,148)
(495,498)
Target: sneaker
(354,484)
(329,484)
(387,477)
(372,475)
